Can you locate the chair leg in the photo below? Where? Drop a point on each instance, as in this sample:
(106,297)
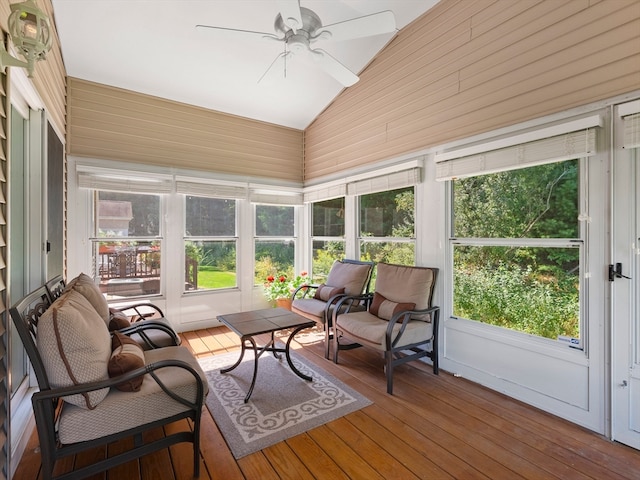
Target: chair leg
(327,341)
(388,360)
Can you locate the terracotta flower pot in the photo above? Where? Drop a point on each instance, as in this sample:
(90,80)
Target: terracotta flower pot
(283,303)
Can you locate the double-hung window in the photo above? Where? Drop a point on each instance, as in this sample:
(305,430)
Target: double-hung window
(210,235)
(127,243)
(327,235)
(387,226)
(518,234)
(274,241)
(210,243)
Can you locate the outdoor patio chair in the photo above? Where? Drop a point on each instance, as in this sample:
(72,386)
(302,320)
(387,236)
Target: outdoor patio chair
(346,277)
(96,388)
(144,322)
(399,319)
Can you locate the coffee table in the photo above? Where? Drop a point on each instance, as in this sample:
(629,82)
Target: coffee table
(269,320)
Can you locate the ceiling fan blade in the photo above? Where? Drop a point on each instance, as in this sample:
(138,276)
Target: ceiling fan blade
(375,24)
(290,13)
(334,68)
(234,33)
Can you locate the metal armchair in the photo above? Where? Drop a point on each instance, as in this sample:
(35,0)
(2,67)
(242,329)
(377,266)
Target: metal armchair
(317,302)
(399,319)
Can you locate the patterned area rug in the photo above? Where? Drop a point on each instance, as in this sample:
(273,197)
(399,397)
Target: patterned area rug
(282,404)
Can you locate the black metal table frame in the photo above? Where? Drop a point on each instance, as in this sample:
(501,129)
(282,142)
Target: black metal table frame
(269,347)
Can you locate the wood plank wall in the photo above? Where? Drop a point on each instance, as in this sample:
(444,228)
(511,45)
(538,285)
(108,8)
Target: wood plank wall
(111,123)
(472,66)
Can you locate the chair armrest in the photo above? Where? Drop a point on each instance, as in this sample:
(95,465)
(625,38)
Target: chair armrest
(306,288)
(55,393)
(141,327)
(347,301)
(405,317)
(137,311)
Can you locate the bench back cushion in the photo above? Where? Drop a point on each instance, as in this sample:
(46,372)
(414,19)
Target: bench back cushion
(75,346)
(85,285)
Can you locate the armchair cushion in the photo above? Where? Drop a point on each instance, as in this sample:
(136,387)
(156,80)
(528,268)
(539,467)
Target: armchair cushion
(325,292)
(353,276)
(411,284)
(75,346)
(370,330)
(126,356)
(383,308)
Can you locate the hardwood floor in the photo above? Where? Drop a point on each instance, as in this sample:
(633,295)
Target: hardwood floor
(433,427)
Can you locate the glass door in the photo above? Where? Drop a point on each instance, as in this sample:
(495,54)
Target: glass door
(625,279)
(18,172)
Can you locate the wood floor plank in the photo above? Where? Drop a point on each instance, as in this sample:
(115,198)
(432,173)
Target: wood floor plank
(182,454)
(343,453)
(397,447)
(421,441)
(216,455)
(157,464)
(126,470)
(378,458)
(257,466)
(319,463)
(286,463)
(543,451)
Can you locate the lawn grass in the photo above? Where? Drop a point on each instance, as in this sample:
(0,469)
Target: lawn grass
(209,278)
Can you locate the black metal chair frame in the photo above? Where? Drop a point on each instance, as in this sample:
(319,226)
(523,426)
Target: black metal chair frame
(25,315)
(143,322)
(328,311)
(394,355)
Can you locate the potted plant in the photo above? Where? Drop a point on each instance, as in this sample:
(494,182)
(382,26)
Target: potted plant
(279,288)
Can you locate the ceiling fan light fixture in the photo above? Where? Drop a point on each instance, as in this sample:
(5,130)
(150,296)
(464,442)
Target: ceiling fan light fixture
(30,32)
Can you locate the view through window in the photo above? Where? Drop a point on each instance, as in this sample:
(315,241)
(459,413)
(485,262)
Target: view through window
(127,246)
(210,243)
(517,249)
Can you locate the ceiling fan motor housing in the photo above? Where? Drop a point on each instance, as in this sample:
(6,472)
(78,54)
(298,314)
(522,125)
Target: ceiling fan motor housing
(310,24)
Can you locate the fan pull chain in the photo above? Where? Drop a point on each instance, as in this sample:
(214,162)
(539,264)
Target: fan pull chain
(285,60)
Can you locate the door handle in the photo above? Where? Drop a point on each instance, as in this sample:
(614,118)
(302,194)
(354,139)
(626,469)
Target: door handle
(616,272)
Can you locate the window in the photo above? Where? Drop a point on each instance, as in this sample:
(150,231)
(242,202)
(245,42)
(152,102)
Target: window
(210,243)
(387,226)
(127,243)
(274,242)
(328,236)
(517,249)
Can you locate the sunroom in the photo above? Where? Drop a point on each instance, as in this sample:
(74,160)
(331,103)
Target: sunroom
(496,141)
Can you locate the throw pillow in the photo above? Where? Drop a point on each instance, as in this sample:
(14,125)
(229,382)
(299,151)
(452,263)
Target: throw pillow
(386,309)
(74,344)
(126,356)
(325,292)
(118,320)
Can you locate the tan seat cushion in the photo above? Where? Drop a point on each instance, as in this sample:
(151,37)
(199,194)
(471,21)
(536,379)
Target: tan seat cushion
(367,329)
(75,346)
(315,309)
(123,410)
(352,276)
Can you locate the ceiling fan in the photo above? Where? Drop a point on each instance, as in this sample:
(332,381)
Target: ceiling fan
(298,28)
